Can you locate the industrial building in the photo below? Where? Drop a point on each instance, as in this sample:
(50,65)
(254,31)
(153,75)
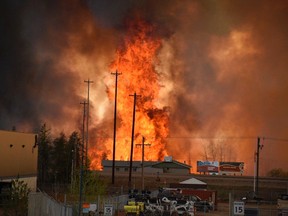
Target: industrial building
(150,167)
(18,157)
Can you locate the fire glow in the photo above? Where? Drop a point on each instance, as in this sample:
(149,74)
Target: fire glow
(136,59)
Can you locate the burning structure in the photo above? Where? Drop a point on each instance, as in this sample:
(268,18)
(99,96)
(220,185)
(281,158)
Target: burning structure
(211,75)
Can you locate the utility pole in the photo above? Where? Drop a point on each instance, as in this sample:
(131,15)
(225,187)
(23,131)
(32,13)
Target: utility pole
(87,121)
(132,138)
(259,147)
(143,145)
(115,117)
(82,159)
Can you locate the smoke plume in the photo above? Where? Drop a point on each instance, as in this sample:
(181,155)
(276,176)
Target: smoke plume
(221,66)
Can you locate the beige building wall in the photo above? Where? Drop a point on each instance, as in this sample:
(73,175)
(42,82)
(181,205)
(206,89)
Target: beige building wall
(18,156)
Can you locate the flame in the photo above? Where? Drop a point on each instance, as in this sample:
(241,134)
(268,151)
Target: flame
(136,59)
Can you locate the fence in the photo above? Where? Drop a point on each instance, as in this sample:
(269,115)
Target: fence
(40,204)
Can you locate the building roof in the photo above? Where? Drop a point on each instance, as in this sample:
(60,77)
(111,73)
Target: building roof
(153,164)
(109,163)
(171,164)
(193,181)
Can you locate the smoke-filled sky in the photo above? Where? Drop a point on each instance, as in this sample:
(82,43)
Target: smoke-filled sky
(222,69)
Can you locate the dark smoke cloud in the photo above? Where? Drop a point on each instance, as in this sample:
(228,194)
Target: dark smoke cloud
(35,86)
(254,84)
(242,96)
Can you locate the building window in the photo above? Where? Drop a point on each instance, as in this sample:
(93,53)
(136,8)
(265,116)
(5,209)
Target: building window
(134,169)
(117,169)
(125,169)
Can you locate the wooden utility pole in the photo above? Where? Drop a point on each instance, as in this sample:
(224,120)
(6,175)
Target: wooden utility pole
(82,160)
(142,171)
(115,117)
(259,146)
(132,138)
(87,121)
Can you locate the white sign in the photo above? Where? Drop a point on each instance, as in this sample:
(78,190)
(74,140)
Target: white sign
(239,208)
(108,210)
(93,207)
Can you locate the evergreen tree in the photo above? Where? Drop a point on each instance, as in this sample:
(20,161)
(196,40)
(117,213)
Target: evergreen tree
(44,149)
(60,160)
(73,147)
(277,172)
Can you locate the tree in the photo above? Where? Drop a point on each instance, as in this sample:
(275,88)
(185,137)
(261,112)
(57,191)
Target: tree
(18,202)
(92,184)
(217,151)
(65,157)
(44,149)
(278,172)
(61,165)
(73,149)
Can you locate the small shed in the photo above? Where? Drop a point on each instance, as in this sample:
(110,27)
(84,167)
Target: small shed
(191,183)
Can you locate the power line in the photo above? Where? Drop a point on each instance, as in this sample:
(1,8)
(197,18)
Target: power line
(208,137)
(205,137)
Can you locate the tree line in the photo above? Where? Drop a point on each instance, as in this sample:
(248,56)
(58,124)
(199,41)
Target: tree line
(58,158)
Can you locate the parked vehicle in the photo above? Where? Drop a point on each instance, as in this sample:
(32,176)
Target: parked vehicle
(201,205)
(160,206)
(282,204)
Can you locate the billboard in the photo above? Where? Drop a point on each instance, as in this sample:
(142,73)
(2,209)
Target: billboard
(231,168)
(207,166)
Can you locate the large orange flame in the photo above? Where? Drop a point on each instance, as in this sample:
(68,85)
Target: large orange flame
(136,60)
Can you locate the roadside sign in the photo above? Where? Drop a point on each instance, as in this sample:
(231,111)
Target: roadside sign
(89,207)
(93,207)
(108,210)
(239,208)
(85,207)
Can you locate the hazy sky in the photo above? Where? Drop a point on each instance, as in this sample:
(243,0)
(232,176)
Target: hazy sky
(222,69)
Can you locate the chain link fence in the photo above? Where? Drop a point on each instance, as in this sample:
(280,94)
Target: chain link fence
(40,204)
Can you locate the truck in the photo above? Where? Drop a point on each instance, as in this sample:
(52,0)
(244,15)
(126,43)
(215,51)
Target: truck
(134,208)
(282,205)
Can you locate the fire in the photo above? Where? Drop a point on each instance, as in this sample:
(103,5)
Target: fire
(136,59)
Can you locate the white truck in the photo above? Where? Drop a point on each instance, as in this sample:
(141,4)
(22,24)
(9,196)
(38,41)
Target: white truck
(282,205)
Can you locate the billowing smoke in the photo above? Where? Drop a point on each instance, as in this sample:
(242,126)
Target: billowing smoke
(222,70)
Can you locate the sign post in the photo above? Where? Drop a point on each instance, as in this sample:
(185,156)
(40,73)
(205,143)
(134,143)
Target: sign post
(108,210)
(238,208)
